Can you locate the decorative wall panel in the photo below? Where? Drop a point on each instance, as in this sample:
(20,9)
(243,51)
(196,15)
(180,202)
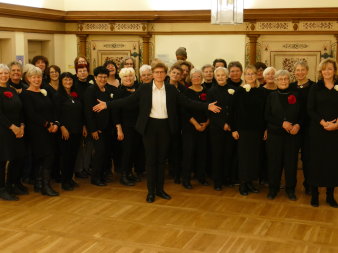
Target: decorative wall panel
(114,50)
(282,54)
(110,27)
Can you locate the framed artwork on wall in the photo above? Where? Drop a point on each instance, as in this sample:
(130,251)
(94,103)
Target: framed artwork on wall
(287,59)
(102,50)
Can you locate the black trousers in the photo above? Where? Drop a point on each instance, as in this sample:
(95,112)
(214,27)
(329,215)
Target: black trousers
(56,168)
(263,172)
(116,153)
(3,174)
(101,157)
(85,154)
(222,146)
(305,152)
(68,150)
(43,167)
(194,154)
(248,148)
(15,170)
(132,151)
(175,155)
(156,141)
(282,153)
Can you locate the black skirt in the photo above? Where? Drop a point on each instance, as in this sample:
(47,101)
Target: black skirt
(323,165)
(249,145)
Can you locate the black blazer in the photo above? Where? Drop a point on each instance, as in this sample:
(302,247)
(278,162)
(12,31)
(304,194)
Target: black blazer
(143,97)
(281,107)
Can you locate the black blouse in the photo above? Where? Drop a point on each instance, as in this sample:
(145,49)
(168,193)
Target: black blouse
(126,115)
(249,110)
(69,111)
(322,103)
(10,108)
(225,100)
(283,105)
(103,120)
(20,85)
(303,92)
(199,116)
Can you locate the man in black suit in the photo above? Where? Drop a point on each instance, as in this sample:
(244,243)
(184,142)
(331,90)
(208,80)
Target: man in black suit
(157,121)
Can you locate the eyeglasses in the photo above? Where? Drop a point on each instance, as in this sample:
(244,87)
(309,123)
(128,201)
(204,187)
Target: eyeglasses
(283,79)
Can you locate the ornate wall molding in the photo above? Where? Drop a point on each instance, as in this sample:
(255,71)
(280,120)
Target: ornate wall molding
(250,15)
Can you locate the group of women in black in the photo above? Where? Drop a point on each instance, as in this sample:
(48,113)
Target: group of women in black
(228,128)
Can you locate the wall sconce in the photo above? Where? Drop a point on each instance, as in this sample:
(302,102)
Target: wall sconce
(227,12)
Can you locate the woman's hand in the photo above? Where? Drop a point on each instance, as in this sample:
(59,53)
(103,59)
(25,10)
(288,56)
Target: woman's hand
(95,135)
(53,128)
(295,129)
(287,126)
(84,131)
(331,125)
(120,134)
(214,108)
(100,106)
(16,131)
(235,135)
(226,127)
(64,133)
(265,136)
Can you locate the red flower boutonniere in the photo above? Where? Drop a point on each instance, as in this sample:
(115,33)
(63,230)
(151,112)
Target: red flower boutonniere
(203,97)
(292,99)
(8,94)
(73,94)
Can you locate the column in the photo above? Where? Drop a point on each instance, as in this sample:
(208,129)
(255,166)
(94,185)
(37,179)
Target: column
(82,44)
(146,44)
(252,47)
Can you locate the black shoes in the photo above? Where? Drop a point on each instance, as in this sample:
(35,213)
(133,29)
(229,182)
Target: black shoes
(67,186)
(204,182)
(18,189)
(331,201)
(291,195)
(150,198)
(163,195)
(126,181)
(5,195)
(251,188)
(134,178)
(218,187)
(314,200)
(243,189)
(272,194)
(98,182)
(73,183)
(81,174)
(48,190)
(187,185)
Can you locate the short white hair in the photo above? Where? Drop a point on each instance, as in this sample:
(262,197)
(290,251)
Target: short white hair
(144,68)
(34,71)
(194,70)
(225,70)
(4,67)
(282,72)
(126,72)
(268,70)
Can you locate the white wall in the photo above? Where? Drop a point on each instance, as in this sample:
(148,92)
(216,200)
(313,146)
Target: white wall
(49,4)
(118,5)
(202,49)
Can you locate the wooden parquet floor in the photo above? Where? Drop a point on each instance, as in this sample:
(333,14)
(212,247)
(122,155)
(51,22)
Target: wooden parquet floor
(117,219)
